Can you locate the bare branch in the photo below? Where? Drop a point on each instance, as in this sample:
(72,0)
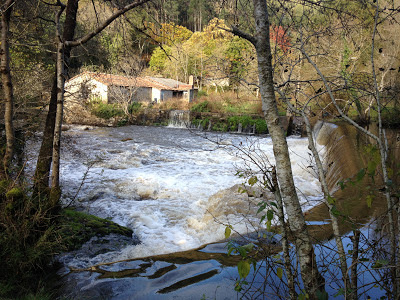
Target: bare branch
(107,22)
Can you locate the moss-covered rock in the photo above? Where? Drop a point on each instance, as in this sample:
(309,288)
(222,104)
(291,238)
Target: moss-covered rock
(78,227)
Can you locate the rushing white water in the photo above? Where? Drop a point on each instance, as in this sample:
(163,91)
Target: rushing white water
(160,182)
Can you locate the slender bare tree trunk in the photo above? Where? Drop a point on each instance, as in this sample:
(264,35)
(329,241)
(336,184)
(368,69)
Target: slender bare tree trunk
(354,273)
(381,143)
(7,87)
(55,175)
(330,202)
(312,279)
(285,237)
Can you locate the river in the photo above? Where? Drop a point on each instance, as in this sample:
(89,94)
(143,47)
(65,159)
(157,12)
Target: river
(160,182)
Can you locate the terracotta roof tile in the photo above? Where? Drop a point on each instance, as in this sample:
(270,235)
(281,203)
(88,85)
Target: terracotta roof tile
(151,82)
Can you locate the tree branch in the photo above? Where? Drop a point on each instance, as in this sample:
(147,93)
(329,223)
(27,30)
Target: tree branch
(236,31)
(107,22)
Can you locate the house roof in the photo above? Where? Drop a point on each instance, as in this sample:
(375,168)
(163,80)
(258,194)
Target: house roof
(126,81)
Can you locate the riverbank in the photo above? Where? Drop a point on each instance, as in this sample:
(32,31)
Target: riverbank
(68,232)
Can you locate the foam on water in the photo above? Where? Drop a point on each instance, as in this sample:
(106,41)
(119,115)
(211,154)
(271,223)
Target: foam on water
(158,181)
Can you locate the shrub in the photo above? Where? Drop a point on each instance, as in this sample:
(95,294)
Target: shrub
(246,121)
(28,240)
(134,107)
(390,116)
(220,126)
(202,93)
(261,126)
(105,110)
(204,123)
(200,107)
(233,123)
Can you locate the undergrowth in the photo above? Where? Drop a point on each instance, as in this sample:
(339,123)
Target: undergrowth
(28,240)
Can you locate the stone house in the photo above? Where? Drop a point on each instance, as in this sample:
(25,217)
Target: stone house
(117,88)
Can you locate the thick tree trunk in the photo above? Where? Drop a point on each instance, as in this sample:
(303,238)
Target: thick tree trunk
(43,164)
(45,154)
(7,88)
(45,157)
(313,281)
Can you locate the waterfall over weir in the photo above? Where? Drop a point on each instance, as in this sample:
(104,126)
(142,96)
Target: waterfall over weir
(179,119)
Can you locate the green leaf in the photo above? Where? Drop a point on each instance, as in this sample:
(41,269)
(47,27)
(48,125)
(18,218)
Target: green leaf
(335,212)
(243,268)
(331,200)
(270,215)
(342,185)
(248,247)
(262,218)
(371,167)
(227,232)
(273,204)
(380,263)
(253,180)
(238,286)
(360,175)
(370,198)
(242,251)
(262,207)
(339,293)
(279,273)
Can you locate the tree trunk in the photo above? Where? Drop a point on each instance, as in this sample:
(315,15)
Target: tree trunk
(330,202)
(285,237)
(313,281)
(8,89)
(43,165)
(55,176)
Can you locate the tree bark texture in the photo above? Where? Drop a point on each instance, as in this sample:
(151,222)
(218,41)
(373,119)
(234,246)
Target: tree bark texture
(313,281)
(45,157)
(285,238)
(7,88)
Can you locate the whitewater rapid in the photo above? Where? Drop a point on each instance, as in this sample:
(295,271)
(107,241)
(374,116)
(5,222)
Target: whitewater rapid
(160,182)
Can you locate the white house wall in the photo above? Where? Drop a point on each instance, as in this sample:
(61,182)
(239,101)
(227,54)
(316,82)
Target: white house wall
(99,90)
(75,89)
(155,95)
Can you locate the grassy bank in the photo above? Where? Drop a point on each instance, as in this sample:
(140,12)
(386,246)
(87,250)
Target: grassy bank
(32,233)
